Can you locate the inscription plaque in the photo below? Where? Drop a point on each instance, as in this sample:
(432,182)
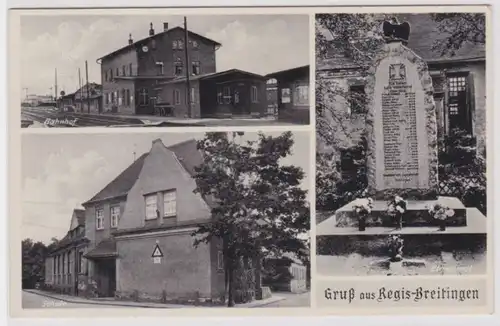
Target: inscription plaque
(399,123)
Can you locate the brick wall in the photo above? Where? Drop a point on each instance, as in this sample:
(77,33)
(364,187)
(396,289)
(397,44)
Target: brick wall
(181,110)
(162,51)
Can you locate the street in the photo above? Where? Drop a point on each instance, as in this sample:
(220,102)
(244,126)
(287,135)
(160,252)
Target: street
(291,300)
(35,301)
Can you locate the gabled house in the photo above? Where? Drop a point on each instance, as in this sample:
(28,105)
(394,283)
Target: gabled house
(88,98)
(139,227)
(65,265)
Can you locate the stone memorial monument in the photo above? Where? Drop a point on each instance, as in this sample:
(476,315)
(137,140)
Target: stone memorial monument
(401,132)
(402,173)
(401,122)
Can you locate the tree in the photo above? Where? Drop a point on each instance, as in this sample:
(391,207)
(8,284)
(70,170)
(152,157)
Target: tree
(459,28)
(33,262)
(259,207)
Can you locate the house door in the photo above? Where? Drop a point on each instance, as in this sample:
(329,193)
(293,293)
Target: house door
(240,100)
(459,115)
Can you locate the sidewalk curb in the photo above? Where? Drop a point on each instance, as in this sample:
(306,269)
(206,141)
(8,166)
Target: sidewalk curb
(105,303)
(254,304)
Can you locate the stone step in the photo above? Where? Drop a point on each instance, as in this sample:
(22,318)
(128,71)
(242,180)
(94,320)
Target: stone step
(415,245)
(417,214)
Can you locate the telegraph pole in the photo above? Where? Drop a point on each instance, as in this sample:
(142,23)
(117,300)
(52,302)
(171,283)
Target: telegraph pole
(88,90)
(188,97)
(55,86)
(80,84)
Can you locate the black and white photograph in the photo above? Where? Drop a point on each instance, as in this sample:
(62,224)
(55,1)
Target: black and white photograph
(166,220)
(401,144)
(164,71)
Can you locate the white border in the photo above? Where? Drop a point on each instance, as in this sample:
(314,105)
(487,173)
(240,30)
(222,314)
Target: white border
(372,320)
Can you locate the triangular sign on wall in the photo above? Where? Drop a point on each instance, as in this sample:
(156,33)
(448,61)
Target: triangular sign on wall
(157,252)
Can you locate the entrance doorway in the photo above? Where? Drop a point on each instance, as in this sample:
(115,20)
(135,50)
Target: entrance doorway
(240,100)
(105,272)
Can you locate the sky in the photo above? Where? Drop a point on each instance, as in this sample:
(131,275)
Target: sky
(257,43)
(61,171)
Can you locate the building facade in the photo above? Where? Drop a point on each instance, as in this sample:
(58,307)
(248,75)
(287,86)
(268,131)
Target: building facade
(458,81)
(88,99)
(130,74)
(223,94)
(139,230)
(290,90)
(65,266)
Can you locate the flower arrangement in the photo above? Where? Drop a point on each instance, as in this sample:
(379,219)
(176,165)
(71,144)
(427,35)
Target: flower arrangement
(362,208)
(441,213)
(395,245)
(397,208)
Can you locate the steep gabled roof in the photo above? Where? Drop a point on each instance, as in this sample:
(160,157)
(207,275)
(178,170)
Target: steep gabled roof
(122,184)
(186,152)
(142,41)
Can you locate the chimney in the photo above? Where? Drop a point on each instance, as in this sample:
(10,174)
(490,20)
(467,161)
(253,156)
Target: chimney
(130,40)
(151,30)
(165,27)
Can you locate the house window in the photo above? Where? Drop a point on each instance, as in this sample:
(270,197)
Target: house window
(196,67)
(219,97)
(254,94)
(178,67)
(159,66)
(127,97)
(121,96)
(143,97)
(180,44)
(459,102)
(106,100)
(80,262)
(357,99)
(285,95)
(151,207)
(175,45)
(301,95)
(68,271)
(130,70)
(177,97)
(220,260)
(195,44)
(117,72)
(227,95)
(110,74)
(169,203)
(123,70)
(106,76)
(99,219)
(115,215)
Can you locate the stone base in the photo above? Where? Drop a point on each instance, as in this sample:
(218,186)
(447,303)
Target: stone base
(416,215)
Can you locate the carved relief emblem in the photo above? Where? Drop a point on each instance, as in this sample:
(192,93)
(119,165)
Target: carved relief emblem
(397,71)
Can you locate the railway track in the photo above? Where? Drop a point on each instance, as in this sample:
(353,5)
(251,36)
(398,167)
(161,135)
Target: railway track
(55,119)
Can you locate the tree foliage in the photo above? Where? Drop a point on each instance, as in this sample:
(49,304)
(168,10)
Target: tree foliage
(33,262)
(259,206)
(459,28)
